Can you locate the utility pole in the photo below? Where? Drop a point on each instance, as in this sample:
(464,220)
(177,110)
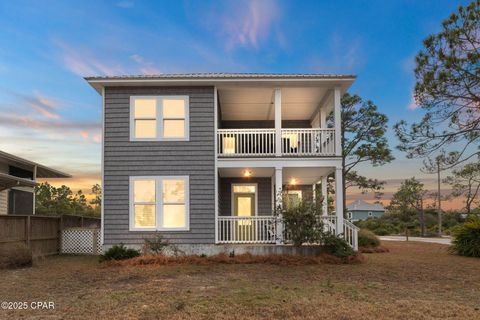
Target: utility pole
(439,204)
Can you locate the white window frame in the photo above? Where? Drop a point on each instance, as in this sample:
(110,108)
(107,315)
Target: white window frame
(233,197)
(158,203)
(370,214)
(159,118)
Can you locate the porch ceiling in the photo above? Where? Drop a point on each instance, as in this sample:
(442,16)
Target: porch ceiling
(309,175)
(298,103)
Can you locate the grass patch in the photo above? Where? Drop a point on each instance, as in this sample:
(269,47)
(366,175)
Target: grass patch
(414,281)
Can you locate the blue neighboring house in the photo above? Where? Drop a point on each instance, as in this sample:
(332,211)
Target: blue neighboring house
(361,210)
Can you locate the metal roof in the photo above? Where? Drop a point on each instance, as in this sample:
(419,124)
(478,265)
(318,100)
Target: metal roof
(42,171)
(221,75)
(365,206)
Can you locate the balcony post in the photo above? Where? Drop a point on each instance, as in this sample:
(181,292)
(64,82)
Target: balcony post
(278,203)
(338,121)
(339,199)
(325,196)
(278,122)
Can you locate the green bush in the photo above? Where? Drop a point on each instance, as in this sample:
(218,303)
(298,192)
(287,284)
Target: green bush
(381,232)
(119,252)
(367,238)
(466,240)
(15,256)
(301,222)
(336,246)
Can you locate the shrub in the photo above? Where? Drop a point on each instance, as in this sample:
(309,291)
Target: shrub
(119,252)
(155,244)
(301,222)
(381,232)
(337,246)
(15,256)
(367,238)
(466,240)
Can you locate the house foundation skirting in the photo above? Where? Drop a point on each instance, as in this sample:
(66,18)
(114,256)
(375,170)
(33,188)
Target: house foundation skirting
(254,249)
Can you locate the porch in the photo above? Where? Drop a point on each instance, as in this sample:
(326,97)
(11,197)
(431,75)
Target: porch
(247,197)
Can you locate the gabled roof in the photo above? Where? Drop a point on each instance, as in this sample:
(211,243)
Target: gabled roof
(212,79)
(365,206)
(42,171)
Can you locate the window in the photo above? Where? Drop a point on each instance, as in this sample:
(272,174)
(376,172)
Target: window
(370,213)
(159,203)
(159,118)
(349,215)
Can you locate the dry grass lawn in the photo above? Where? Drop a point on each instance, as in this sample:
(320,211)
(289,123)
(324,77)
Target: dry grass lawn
(412,281)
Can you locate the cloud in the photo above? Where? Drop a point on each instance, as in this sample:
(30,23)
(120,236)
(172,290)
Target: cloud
(413,104)
(340,55)
(82,62)
(17,121)
(145,67)
(247,24)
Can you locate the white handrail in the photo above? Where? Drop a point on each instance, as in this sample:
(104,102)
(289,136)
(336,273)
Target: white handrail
(309,141)
(245,142)
(350,234)
(257,229)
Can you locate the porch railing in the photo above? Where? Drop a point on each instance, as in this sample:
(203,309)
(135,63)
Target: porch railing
(245,142)
(259,229)
(308,142)
(261,142)
(263,229)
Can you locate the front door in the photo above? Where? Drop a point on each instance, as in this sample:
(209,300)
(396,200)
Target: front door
(244,205)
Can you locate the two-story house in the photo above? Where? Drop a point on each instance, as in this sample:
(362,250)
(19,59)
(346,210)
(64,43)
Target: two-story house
(201,157)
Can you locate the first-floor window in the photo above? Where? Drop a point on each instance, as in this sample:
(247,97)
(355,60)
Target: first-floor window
(159,203)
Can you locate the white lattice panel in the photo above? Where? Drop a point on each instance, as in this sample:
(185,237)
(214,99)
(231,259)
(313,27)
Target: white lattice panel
(81,241)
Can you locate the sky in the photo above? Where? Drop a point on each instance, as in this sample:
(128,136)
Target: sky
(49,114)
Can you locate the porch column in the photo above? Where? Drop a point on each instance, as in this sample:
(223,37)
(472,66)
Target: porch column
(325,197)
(339,199)
(338,121)
(278,203)
(278,122)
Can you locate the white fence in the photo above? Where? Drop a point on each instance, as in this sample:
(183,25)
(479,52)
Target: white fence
(81,241)
(261,142)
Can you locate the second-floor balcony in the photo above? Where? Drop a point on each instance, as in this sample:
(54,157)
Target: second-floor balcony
(263,142)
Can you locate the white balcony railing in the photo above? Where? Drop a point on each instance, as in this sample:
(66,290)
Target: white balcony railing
(261,142)
(308,142)
(245,142)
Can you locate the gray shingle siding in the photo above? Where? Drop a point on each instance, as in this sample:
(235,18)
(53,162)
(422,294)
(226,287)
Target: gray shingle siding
(124,158)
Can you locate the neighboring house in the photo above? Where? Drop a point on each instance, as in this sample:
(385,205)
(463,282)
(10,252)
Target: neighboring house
(17,179)
(201,157)
(361,210)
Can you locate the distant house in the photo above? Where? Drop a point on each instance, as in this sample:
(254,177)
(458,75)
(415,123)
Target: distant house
(361,210)
(17,179)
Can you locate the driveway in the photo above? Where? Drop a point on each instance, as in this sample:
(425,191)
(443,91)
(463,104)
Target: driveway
(444,240)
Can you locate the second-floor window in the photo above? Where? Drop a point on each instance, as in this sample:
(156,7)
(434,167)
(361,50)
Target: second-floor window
(159,118)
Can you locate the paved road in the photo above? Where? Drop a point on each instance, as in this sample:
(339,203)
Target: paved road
(444,240)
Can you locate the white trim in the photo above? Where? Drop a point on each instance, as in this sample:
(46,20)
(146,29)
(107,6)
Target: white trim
(338,121)
(283,162)
(159,117)
(215,128)
(102,169)
(233,199)
(339,199)
(158,203)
